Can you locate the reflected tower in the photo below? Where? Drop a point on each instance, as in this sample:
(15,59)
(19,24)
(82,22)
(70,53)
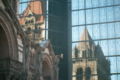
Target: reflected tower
(32,20)
(89,62)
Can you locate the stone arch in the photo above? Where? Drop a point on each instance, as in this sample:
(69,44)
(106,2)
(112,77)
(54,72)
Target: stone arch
(79,74)
(9,42)
(46,71)
(87,73)
(47,68)
(4,46)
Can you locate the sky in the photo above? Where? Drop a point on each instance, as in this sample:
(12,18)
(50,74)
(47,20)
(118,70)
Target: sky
(22,6)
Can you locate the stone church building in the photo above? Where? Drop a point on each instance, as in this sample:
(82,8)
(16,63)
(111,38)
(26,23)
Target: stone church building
(89,62)
(21,58)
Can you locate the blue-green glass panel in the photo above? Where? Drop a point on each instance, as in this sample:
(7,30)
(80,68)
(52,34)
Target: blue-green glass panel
(75,4)
(102,14)
(75,17)
(95,3)
(110,15)
(96,15)
(89,16)
(81,17)
(88,3)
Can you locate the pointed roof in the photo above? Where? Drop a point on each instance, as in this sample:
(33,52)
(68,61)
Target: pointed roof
(85,35)
(86,41)
(36,8)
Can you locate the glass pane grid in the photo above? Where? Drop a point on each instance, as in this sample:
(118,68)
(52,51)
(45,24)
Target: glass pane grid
(95,40)
(33,17)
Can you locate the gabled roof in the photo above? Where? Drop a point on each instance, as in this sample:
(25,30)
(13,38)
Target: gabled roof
(36,7)
(85,35)
(86,41)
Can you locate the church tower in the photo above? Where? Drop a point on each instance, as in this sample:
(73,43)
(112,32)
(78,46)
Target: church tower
(33,21)
(89,62)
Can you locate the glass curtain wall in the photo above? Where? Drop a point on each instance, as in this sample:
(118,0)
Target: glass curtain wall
(96,39)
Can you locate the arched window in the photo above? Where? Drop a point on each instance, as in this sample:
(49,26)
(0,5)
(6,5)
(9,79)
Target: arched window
(46,71)
(76,52)
(90,53)
(79,74)
(87,73)
(4,45)
(84,54)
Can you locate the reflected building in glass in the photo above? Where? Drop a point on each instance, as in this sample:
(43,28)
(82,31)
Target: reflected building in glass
(89,60)
(33,21)
(102,20)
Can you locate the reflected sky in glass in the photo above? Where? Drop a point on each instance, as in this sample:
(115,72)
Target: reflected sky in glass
(103,23)
(22,6)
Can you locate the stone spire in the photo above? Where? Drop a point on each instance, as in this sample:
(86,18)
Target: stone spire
(86,40)
(85,35)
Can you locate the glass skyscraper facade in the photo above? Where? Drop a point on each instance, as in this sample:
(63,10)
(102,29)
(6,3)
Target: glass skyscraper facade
(102,20)
(96,20)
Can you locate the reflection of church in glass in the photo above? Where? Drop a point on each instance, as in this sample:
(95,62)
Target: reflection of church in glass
(33,20)
(89,62)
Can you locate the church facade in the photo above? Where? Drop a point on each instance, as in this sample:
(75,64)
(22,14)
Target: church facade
(89,62)
(20,57)
(42,63)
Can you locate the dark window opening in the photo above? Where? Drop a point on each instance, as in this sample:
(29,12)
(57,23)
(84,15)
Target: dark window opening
(79,74)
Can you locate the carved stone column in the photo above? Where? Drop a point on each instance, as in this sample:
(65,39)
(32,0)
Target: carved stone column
(39,60)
